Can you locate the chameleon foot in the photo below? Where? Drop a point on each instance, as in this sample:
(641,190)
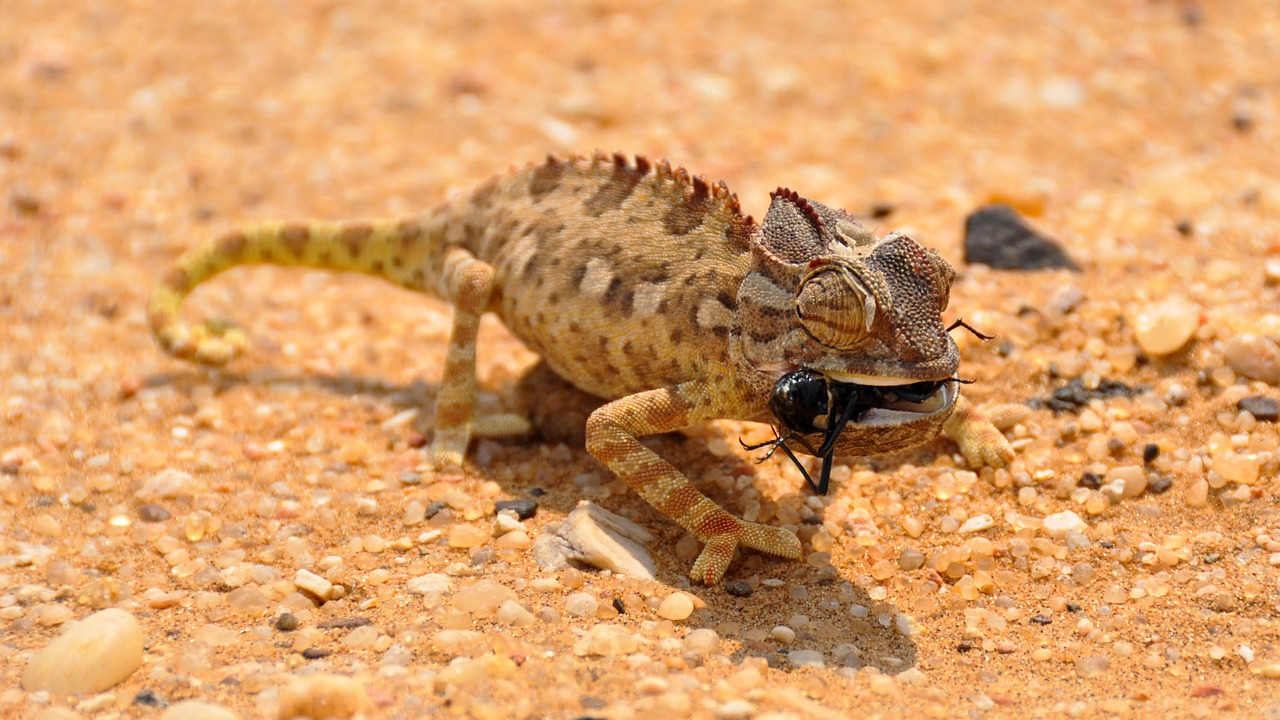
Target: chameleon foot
(717,552)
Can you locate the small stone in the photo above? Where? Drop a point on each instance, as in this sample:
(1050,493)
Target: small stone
(997,236)
(90,656)
(977,523)
(332,697)
(467,536)
(1058,525)
(783,634)
(1253,356)
(286,622)
(247,600)
(483,598)
(344,623)
(910,559)
(702,641)
(198,710)
(806,658)
(152,513)
(309,582)
(1260,407)
(738,588)
(594,536)
(676,606)
(607,639)
(524,508)
(1092,666)
(429,584)
(1091,480)
(581,605)
(1131,480)
(1164,328)
(514,614)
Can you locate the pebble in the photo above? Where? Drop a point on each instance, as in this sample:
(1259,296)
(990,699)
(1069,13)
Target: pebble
(513,613)
(702,641)
(152,513)
(1092,666)
(90,656)
(331,697)
(309,582)
(286,622)
(738,588)
(430,583)
(1260,407)
(997,236)
(1058,525)
(198,710)
(806,658)
(1253,356)
(977,523)
(783,634)
(483,598)
(581,605)
(524,508)
(1165,327)
(607,639)
(676,606)
(467,536)
(735,710)
(592,535)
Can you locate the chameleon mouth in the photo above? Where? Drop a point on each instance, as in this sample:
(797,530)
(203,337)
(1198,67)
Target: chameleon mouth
(816,407)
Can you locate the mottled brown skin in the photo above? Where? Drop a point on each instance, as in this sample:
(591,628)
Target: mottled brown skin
(644,286)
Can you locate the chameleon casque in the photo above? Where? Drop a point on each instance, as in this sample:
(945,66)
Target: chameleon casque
(642,285)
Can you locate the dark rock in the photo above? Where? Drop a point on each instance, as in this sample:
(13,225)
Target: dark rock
(153,513)
(344,623)
(147,698)
(1091,480)
(434,508)
(1072,607)
(315,653)
(1261,407)
(287,622)
(997,236)
(737,588)
(524,508)
(620,606)
(1041,619)
(1074,395)
(1159,484)
(1150,453)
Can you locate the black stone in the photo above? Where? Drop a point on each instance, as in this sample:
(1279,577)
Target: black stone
(537,492)
(287,622)
(434,509)
(738,588)
(965,646)
(619,606)
(524,508)
(1261,407)
(1091,480)
(997,236)
(1159,484)
(1072,607)
(153,513)
(315,653)
(1150,453)
(147,698)
(1074,395)
(1041,619)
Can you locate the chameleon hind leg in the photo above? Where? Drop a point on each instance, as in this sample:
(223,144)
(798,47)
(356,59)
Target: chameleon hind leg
(612,437)
(468,284)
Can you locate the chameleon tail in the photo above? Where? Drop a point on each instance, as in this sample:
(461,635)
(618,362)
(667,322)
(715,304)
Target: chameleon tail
(406,252)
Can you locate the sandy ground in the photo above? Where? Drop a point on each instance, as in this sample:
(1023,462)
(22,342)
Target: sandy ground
(1141,134)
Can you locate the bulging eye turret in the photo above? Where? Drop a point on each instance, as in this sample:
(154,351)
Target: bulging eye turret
(836,309)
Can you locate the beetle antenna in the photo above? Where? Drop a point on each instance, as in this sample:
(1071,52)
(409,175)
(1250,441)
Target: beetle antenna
(960,323)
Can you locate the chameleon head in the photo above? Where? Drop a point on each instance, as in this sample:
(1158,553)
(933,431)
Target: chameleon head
(824,293)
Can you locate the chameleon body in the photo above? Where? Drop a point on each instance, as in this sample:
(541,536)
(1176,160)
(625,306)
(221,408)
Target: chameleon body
(647,287)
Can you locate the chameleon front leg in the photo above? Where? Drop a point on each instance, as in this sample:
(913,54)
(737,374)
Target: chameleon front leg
(468,284)
(612,432)
(979,440)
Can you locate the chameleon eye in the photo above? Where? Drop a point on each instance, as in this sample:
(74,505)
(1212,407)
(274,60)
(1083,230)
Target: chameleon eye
(836,309)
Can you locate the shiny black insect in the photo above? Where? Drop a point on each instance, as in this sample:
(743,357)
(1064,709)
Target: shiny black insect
(807,402)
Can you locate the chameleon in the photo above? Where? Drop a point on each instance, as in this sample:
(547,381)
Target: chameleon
(647,287)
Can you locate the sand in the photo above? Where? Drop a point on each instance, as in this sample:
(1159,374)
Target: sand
(1140,134)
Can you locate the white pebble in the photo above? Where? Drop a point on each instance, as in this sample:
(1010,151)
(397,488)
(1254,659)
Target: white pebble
(198,710)
(1058,525)
(783,634)
(581,605)
(977,523)
(429,583)
(324,696)
(513,613)
(92,655)
(313,583)
(1164,327)
(676,606)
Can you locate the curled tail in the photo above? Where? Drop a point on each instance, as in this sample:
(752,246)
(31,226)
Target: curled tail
(406,252)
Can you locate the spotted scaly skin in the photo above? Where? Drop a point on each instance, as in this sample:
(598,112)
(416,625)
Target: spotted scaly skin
(647,287)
